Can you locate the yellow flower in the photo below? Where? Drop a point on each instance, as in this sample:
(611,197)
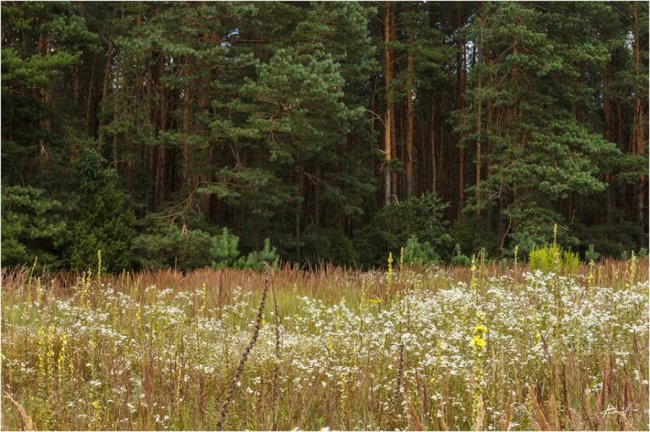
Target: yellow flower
(60,362)
(480,329)
(478,341)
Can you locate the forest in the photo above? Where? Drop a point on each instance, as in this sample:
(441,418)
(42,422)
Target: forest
(197,134)
(314,215)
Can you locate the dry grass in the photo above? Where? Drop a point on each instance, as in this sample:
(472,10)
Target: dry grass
(335,347)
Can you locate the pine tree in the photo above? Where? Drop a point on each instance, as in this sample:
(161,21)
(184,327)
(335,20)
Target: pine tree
(541,153)
(106,223)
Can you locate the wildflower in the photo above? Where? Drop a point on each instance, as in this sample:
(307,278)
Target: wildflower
(516,254)
(50,348)
(42,344)
(62,353)
(389,270)
(473,280)
(478,341)
(99,267)
(480,329)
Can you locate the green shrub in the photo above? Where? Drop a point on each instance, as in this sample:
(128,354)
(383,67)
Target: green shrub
(32,227)
(609,240)
(591,254)
(257,260)
(553,259)
(153,249)
(419,253)
(546,259)
(459,258)
(570,262)
(392,226)
(473,234)
(224,250)
(106,224)
(190,250)
(165,245)
(327,245)
(225,253)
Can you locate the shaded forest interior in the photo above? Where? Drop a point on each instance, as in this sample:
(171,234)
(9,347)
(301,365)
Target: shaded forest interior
(339,131)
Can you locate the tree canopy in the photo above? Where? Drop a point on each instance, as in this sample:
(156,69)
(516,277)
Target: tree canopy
(320,131)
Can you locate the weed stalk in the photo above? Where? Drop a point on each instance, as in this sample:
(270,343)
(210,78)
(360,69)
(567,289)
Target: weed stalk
(244,357)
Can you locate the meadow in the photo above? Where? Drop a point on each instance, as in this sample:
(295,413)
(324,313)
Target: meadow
(484,347)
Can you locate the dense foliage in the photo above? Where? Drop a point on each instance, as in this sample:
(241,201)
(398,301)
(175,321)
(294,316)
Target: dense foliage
(338,131)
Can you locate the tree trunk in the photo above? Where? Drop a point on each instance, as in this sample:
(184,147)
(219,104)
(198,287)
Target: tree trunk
(609,135)
(187,123)
(432,138)
(317,195)
(639,132)
(43,95)
(388,120)
(90,101)
(115,108)
(400,180)
(460,98)
(107,75)
(162,151)
(299,208)
(372,106)
(479,108)
(490,128)
(422,165)
(409,118)
(138,17)
(152,150)
(393,129)
(160,154)
(620,137)
(76,96)
(76,83)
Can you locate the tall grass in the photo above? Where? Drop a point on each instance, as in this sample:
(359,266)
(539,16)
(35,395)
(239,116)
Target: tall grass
(333,347)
